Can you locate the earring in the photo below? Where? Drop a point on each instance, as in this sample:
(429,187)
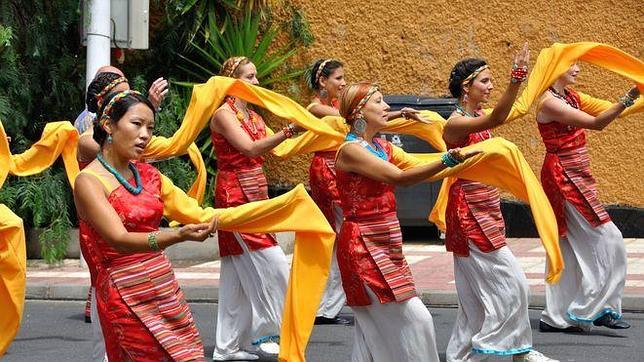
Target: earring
(109,138)
(324,93)
(360,125)
(465,98)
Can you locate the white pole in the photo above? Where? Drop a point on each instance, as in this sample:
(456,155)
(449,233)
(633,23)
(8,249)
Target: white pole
(98,45)
(98,37)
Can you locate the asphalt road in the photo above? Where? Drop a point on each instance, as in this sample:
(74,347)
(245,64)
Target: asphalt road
(55,331)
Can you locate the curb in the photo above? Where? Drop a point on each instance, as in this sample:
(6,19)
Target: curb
(206,294)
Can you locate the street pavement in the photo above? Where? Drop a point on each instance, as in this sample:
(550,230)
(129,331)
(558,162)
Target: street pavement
(55,331)
(431,266)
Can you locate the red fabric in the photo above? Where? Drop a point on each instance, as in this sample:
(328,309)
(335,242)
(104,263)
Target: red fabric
(365,204)
(126,338)
(86,250)
(565,175)
(324,190)
(230,190)
(126,320)
(473,212)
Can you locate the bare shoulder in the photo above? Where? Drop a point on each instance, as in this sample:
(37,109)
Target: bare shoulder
(86,181)
(222,114)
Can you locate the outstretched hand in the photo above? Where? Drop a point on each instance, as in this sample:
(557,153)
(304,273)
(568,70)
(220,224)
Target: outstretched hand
(461,156)
(199,232)
(410,113)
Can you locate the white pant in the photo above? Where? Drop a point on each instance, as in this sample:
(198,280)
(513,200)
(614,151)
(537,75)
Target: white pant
(394,332)
(333,298)
(492,316)
(98,352)
(592,282)
(252,289)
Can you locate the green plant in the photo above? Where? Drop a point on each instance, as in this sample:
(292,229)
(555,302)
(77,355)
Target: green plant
(41,80)
(300,29)
(189,17)
(235,38)
(42,201)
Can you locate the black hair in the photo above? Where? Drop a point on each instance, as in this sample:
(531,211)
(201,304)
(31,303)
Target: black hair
(100,81)
(119,108)
(460,72)
(311,77)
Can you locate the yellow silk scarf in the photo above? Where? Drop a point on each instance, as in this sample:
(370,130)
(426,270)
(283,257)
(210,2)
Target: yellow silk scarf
(59,138)
(12,259)
(311,256)
(554,61)
(502,165)
(551,63)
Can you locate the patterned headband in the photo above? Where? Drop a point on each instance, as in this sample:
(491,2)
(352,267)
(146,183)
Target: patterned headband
(374,88)
(236,64)
(320,69)
(108,88)
(474,74)
(108,108)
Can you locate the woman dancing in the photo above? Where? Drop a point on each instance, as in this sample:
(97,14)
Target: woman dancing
(392,324)
(254,269)
(120,203)
(492,288)
(591,287)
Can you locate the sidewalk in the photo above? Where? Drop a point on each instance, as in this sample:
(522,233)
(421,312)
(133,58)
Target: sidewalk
(430,264)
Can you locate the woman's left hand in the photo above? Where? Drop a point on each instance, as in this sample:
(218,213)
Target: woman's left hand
(158,91)
(410,113)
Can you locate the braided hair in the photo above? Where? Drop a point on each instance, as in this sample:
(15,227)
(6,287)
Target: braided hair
(460,72)
(313,74)
(116,110)
(98,84)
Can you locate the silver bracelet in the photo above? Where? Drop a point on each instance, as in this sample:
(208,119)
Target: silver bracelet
(626,100)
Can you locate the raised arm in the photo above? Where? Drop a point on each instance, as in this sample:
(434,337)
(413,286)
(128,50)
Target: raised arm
(322,110)
(555,109)
(459,127)
(354,158)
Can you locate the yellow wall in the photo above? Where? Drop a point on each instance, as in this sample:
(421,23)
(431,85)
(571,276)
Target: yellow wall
(410,46)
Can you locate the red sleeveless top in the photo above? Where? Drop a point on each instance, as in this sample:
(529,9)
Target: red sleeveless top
(137,293)
(566,175)
(240,179)
(324,190)
(473,212)
(369,244)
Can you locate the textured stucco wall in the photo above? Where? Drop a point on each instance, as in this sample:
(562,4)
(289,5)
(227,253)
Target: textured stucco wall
(409,47)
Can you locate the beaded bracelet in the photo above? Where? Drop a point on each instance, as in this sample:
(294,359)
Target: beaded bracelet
(152,241)
(448,160)
(519,74)
(288,131)
(626,100)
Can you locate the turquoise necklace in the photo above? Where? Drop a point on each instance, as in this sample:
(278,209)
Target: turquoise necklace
(137,177)
(462,111)
(378,151)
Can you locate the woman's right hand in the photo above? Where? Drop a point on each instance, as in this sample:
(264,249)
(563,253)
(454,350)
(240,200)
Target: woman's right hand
(198,232)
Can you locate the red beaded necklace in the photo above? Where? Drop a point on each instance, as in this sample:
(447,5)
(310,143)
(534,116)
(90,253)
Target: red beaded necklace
(249,125)
(566,97)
